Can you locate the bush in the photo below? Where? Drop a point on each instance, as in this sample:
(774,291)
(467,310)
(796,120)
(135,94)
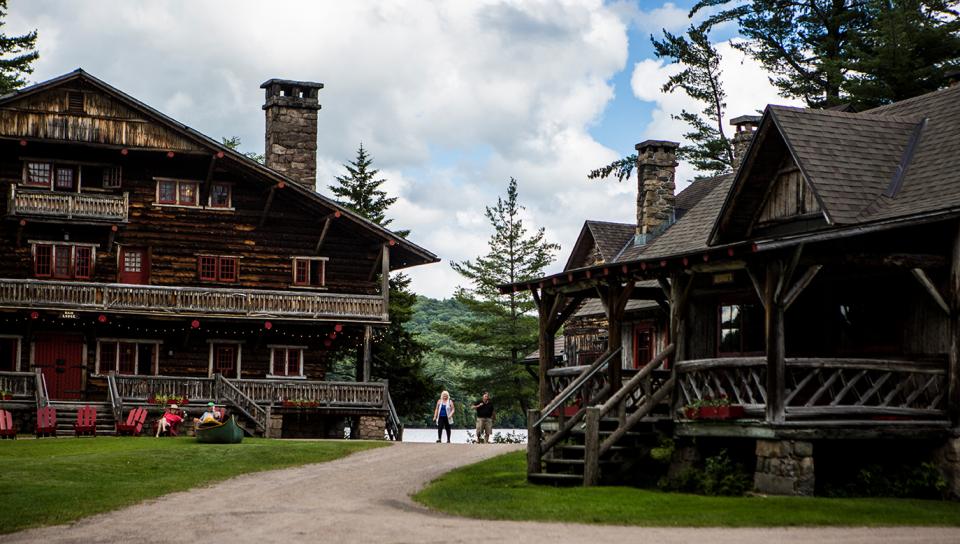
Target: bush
(720,475)
(918,480)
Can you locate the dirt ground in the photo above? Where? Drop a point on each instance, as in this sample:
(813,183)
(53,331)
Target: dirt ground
(366,498)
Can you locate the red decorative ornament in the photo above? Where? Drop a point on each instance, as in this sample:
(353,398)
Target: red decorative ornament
(195,324)
(170,154)
(23,143)
(219,154)
(34,315)
(267,325)
(102,318)
(332,335)
(124,151)
(338,327)
(327,343)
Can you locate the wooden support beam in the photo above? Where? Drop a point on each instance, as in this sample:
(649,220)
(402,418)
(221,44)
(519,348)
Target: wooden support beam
(323,233)
(790,269)
(953,366)
(802,283)
(269,203)
(756,287)
(377,263)
(931,289)
(721,266)
(367,354)
(545,346)
(776,345)
(385,276)
(665,286)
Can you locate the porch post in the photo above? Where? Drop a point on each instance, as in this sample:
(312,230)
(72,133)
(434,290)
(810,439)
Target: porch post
(776,356)
(679,291)
(614,334)
(544,301)
(953,369)
(367,353)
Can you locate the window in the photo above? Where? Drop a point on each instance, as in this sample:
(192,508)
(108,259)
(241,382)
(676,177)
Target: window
(286,361)
(225,359)
(309,271)
(133,261)
(125,356)
(179,193)
(63,261)
(111,177)
(38,174)
(66,178)
(9,353)
(220,195)
(217,268)
(740,329)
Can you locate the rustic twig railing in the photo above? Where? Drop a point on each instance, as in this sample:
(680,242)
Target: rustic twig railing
(140,388)
(359,394)
(189,301)
(21,385)
(821,387)
(393,424)
(640,394)
(104,207)
(227,391)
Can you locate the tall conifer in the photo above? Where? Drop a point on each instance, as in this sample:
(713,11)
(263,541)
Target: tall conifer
(17,54)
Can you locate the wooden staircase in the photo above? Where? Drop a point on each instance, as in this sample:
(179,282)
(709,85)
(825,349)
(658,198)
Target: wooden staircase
(608,434)
(67,416)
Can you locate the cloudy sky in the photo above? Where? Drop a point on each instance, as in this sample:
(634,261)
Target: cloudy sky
(451,98)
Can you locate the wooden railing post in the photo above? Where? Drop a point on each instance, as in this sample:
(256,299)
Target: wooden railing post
(591,447)
(776,345)
(534,438)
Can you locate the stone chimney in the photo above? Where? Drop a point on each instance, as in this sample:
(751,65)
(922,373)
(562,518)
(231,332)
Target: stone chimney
(746,128)
(656,168)
(291,132)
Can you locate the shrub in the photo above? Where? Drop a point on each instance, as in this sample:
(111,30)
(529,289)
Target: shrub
(720,475)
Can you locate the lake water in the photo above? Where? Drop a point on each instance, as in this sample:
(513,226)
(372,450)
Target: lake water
(458,435)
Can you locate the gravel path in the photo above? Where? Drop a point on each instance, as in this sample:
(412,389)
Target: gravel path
(365,498)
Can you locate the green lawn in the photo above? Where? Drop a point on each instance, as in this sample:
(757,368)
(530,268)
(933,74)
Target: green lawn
(44,482)
(497,489)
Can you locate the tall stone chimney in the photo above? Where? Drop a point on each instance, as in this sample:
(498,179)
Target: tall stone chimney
(656,169)
(746,128)
(291,132)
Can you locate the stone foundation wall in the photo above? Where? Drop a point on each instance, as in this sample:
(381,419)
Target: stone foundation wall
(784,467)
(371,428)
(947,459)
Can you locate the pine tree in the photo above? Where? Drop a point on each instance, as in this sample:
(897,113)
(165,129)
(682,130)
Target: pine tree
(17,54)
(360,191)
(502,328)
(397,356)
(234,143)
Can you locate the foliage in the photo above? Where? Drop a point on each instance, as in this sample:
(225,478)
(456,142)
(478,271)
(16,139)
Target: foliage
(711,151)
(720,475)
(916,480)
(623,168)
(511,437)
(17,55)
(360,191)
(830,52)
(397,356)
(500,330)
(497,489)
(233,143)
(47,482)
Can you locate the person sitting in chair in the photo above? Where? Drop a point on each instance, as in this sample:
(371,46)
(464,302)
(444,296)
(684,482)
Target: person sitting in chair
(168,420)
(211,416)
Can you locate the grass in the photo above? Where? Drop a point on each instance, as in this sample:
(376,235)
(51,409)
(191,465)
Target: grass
(45,482)
(497,489)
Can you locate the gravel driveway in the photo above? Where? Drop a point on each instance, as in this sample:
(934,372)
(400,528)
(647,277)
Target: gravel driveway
(364,498)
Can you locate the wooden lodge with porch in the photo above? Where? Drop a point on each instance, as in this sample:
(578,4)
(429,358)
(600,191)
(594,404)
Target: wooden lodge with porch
(142,259)
(817,289)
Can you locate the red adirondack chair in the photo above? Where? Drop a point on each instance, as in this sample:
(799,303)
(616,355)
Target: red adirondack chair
(173,430)
(134,424)
(86,422)
(47,422)
(7,429)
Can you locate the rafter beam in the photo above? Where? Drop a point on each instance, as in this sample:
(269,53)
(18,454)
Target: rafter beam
(931,289)
(801,284)
(269,203)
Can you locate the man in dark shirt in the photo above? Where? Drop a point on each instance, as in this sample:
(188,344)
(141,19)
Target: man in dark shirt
(484,408)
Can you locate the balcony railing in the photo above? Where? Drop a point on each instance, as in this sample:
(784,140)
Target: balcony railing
(100,207)
(189,301)
(850,389)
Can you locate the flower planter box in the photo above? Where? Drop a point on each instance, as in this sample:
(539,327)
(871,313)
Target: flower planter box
(691,412)
(7,397)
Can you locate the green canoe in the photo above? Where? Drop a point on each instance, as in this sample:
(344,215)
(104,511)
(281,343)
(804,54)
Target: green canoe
(227,432)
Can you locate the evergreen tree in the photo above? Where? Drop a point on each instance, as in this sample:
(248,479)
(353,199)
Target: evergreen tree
(234,143)
(360,191)
(397,355)
(501,328)
(17,54)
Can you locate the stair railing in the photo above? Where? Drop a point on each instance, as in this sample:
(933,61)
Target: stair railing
(536,446)
(41,390)
(116,402)
(645,396)
(394,425)
(241,402)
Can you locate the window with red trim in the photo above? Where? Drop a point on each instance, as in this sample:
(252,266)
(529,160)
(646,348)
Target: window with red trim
(126,358)
(181,193)
(187,193)
(217,268)
(38,173)
(309,272)
(167,192)
(286,362)
(65,178)
(42,261)
(301,272)
(220,196)
(225,359)
(62,261)
(83,262)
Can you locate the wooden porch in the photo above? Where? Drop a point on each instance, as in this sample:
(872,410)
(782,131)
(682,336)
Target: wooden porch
(257,403)
(62,205)
(189,301)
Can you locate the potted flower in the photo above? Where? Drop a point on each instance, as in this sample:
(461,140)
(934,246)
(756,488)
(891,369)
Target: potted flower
(692,410)
(709,408)
(6,395)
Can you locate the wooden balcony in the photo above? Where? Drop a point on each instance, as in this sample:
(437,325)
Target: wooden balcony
(190,301)
(75,206)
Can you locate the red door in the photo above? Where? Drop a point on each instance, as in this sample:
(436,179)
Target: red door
(60,358)
(642,345)
(134,266)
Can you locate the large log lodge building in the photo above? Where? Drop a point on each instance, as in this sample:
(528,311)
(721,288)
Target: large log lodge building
(817,287)
(142,258)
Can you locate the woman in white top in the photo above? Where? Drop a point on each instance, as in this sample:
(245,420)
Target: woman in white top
(443,414)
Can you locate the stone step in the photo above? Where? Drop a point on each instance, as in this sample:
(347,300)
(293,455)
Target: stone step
(547,478)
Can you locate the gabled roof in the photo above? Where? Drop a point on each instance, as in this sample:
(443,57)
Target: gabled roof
(608,239)
(411,255)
